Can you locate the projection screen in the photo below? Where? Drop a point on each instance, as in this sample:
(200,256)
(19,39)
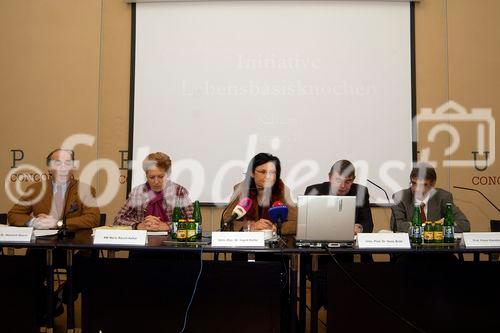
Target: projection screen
(311,82)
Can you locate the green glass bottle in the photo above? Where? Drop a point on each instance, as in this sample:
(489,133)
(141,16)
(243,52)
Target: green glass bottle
(428,232)
(416,225)
(191,231)
(197,218)
(438,232)
(176,216)
(182,230)
(449,225)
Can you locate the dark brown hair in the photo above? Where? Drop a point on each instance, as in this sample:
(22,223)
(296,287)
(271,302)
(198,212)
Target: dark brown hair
(344,168)
(423,170)
(49,156)
(250,188)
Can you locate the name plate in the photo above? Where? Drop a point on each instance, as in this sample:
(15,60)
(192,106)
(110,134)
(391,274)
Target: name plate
(237,239)
(16,234)
(384,241)
(120,237)
(481,239)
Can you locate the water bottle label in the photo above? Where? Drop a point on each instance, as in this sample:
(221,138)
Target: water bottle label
(191,233)
(438,235)
(428,235)
(181,234)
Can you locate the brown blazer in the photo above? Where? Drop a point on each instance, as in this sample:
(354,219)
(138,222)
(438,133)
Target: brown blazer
(288,228)
(80,213)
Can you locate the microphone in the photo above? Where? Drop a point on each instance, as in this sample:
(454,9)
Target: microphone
(238,212)
(278,214)
(481,193)
(380,187)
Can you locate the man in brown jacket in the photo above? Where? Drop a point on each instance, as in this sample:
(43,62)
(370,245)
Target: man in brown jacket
(45,206)
(47,203)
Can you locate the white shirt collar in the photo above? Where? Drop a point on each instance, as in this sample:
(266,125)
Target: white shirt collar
(425,200)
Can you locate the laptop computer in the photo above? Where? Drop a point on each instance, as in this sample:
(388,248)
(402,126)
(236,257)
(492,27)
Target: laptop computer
(325,219)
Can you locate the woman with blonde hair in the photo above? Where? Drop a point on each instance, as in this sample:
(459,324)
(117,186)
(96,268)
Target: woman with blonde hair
(150,205)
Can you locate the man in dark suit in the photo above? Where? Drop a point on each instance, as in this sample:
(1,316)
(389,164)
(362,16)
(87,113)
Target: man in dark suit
(432,201)
(342,175)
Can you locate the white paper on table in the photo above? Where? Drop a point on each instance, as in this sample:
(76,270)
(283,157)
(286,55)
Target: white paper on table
(42,233)
(157,233)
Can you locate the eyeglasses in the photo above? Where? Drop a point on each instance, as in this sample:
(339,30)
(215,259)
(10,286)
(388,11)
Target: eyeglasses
(266,173)
(58,163)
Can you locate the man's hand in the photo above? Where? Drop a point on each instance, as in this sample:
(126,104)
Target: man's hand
(44,221)
(358,228)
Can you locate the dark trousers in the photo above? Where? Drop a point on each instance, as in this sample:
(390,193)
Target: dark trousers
(323,261)
(59,262)
(285,293)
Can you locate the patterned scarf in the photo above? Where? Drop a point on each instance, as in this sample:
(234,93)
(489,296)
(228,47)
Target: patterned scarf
(155,206)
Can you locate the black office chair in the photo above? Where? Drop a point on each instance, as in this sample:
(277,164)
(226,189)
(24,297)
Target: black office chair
(61,272)
(102,223)
(102,219)
(494,227)
(3,220)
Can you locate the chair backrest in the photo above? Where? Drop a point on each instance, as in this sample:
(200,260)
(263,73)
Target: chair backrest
(102,220)
(495,225)
(3,218)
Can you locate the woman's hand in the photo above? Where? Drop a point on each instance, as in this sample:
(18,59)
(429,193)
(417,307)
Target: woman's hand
(153,223)
(358,228)
(263,224)
(160,226)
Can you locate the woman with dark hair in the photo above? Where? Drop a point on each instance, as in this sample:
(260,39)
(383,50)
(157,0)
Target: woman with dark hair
(263,185)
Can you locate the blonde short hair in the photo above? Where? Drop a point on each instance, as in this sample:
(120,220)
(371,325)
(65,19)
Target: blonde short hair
(159,160)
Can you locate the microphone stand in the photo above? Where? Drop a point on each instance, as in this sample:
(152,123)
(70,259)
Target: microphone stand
(64,232)
(279,223)
(228,225)
(380,187)
(481,193)
(222,222)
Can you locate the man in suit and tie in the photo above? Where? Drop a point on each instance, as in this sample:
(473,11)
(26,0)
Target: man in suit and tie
(342,175)
(432,201)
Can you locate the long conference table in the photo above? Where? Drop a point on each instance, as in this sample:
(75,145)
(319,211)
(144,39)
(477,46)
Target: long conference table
(152,290)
